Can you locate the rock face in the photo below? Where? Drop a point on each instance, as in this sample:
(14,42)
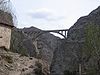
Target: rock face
(21,44)
(33,42)
(65,59)
(6,17)
(45,43)
(15,64)
(58,64)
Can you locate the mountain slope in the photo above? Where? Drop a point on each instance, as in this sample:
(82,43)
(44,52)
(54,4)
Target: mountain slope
(26,42)
(70,52)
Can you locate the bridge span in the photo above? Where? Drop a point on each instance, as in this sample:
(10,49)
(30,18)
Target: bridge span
(62,32)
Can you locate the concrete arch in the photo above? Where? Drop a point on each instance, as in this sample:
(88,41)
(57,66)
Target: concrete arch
(61,34)
(44,32)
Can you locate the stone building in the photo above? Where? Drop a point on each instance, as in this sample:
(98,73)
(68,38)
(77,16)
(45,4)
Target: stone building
(6,24)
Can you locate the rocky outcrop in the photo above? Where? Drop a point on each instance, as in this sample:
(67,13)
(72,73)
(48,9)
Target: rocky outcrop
(58,64)
(33,42)
(67,58)
(6,18)
(21,44)
(45,43)
(15,64)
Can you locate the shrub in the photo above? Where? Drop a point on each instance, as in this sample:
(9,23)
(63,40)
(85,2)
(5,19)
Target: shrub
(38,70)
(7,58)
(67,72)
(91,71)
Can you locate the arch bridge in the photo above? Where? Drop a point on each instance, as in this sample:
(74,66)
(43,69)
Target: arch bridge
(62,32)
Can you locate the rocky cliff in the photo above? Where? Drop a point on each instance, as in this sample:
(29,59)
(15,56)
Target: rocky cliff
(33,42)
(66,60)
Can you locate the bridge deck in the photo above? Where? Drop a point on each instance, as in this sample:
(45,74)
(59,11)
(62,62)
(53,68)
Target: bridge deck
(56,30)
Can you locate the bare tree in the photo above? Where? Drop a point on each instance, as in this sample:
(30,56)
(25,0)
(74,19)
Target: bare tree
(4,5)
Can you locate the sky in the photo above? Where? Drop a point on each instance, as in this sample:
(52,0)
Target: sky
(51,14)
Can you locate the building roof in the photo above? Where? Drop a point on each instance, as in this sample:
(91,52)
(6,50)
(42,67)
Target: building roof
(6,19)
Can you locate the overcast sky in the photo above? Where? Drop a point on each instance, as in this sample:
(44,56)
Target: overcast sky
(51,14)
